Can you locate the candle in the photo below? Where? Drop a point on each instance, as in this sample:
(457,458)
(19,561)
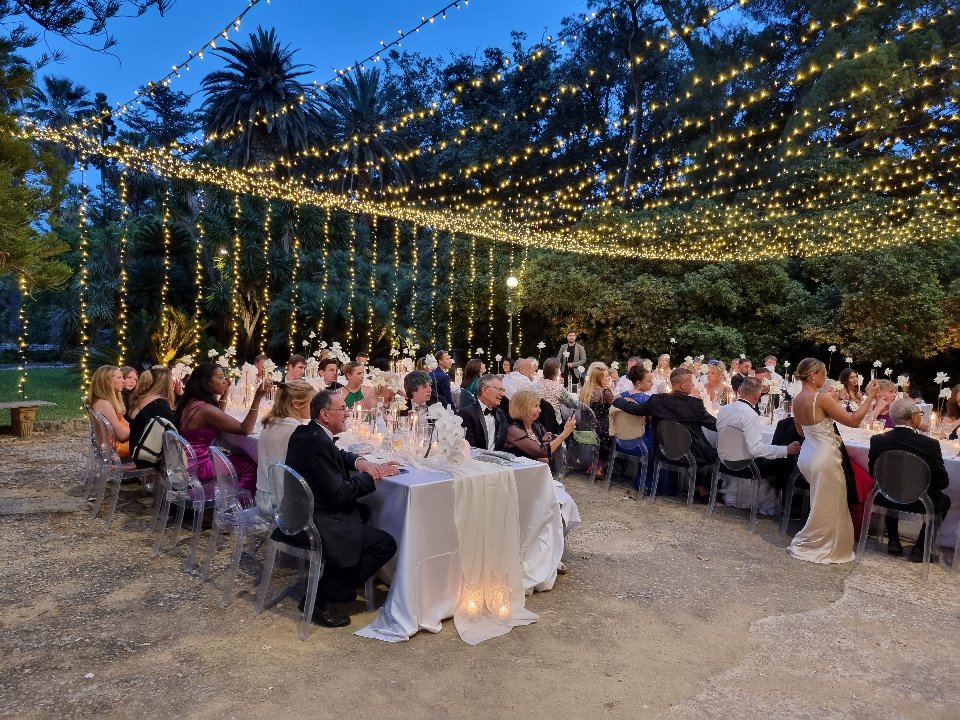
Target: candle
(471,601)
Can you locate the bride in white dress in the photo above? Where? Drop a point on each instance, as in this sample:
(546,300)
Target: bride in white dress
(827,536)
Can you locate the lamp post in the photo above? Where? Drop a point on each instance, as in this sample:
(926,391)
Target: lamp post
(512,283)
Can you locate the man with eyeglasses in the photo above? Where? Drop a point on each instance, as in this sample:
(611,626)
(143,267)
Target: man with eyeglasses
(352,550)
(906,436)
(484,422)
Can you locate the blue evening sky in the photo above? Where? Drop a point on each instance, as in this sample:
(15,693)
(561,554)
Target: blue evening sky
(327,34)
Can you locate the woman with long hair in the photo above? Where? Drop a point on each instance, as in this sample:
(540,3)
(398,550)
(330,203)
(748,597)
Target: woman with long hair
(201,418)
(950,423)
(827,536)
(849,393)
(597,394)
(290,410)
(553,390)
(154,397)
(661,373)
(470,383)
(130,380)
(104,397)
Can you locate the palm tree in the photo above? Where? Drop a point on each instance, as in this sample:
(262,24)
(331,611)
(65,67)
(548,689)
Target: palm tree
(60,103)
(260,79)
(353,114)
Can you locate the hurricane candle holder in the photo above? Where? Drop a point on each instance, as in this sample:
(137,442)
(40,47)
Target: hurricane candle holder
(471,601)
(500,596)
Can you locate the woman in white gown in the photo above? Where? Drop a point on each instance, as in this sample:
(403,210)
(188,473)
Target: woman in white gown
(827,536)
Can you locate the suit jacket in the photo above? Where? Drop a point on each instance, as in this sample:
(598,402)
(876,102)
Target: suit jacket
(476,428)
(737,380)
(684,409)
(905,438)
(578,360)
(327,470)
(442,381)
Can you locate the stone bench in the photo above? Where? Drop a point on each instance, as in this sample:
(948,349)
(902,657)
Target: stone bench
(23,413)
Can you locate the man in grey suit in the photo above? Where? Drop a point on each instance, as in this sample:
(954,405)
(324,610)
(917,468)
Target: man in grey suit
(573,360)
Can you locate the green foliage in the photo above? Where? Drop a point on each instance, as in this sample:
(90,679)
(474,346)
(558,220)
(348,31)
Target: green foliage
(57,385)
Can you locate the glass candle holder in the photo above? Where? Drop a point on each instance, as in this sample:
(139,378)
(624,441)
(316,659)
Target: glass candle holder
(471,601)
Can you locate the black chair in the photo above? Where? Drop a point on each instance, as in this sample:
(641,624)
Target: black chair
(673,445)
(790,492)
(902,478)
(735,467)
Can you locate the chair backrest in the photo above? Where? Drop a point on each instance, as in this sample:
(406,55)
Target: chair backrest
(227,499)
(673,439)
(104,439)
(586,418)
(901,476)
(179,461)
(625,426)
(294,513)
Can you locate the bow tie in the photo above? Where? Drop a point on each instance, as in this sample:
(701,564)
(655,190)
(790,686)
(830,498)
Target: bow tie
(489,411)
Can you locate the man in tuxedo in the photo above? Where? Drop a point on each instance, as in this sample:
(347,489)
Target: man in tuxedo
(484,422)
(329,371)
(573,358)
(906,436)
(296,366)
(742,373)
(441,378)
(352,550)
(418,389)
(680,406)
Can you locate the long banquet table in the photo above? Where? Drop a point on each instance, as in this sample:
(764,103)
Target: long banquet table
(417,509)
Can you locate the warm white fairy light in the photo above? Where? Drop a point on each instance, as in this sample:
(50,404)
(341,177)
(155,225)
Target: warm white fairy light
(198,249)
(352,273)
(325,243)
(472,309)
(166,232)
(23,340)
(395,279)
(82,281)
(293,280)
(489,300)
(415,272)
(451,274)
(267,218)
(235,279)
(434,235)
(122,325)
(374,227)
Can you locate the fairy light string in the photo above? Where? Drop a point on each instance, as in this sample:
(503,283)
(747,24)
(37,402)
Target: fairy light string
(83,279)
(235,272)
(198,251)
(294,288)
(23,341)
(267,228)
(122,323)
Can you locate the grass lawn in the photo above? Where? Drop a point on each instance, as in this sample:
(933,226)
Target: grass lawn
(58,385)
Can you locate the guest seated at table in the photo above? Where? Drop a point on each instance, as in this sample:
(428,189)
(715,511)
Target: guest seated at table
(296,366)
(352,550)
(353,391)
(689,411)
(734,368)
(154,397)
(551,390)
(744,370)
(506,366)
(950,424)
(470,384)
(418,388)
(597,394)
(129,385)
(329,371)
(880,410)
(519,379)
(623,384)
(201,418)
(642,382)
(526,436)
(441,378)
(484,422)
(849,394)
(739,437)
(104,397)
(906,436)
(715,387)
(661,373)
(290,410)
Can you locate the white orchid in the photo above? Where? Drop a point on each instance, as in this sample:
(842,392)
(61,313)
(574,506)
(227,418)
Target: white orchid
(498,357)
(316,354)
(944,393)
(541,345)
(312,335)
(786,364)
(888,372)
(211,353)
(743,356)
(306,343)
(832,348)
(398,403)
(276,376)
(615,365)
(566,355)
(406,351)
(223,361)
(848,360)
(835,384)
(941,378)
(479,351)
(268,365)
(394,352)
(187,360)
(673,341)
(902,380)
(323,344)
(335,346)
(230,351)
(877,364)
(431,362)
(416,347)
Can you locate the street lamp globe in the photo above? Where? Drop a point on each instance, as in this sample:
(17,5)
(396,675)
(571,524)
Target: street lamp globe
(512,282)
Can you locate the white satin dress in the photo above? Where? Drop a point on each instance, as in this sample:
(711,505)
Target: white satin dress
(827,536)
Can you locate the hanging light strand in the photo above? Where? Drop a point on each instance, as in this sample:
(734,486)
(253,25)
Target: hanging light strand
(472,309)
(235,274)
(434,236)
(198,250)
(265,333)
(23,341)
(293,279)
(165,282)
(451,275)
(83,280)
(122,326)
(321,325)
(395,280)
(374,228)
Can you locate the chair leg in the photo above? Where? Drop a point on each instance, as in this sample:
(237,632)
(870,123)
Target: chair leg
(611,461)
(864,529)
(691,487)
(238,537)
(178,523)
(313,579)
(115,477)
(103,477)
(211,549)
(159,492)
(160,529)
(927,546)
(268,559)
(714,484)
(787,508)
(657,467)
(195,540)
(369,587)
(754,508)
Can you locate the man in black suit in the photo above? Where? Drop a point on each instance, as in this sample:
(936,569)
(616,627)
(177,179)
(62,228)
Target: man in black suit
(485,423)
(352,550)
(441,377)
(680,406)
(906,436)
(742,374)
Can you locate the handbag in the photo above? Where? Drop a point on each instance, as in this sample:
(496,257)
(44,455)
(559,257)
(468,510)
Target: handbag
(149,449)
(585,437)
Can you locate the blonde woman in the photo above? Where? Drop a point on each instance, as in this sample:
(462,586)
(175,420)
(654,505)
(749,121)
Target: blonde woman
(597,394)
(104,397)
(661,373)
(154,397)
(290,410)
(827,536)
(716,385)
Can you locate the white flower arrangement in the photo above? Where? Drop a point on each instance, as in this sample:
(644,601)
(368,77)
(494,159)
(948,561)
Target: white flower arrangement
(276,376)
(186,360)
(541,345)
(230,352)
(566,354)
(902,380)
(398,403)
(269,366)
(688,359)
(448,433)
(431,362)
(877,364)
(312,335)
(832,348)
(888,372)
(317,354)
(479,351)
(323,344)
(223,361)
(848,360)
(944,393)
(743,356)
(786,364)
(498,357)
(306,343)
(835,384)
(941,378)
(673,341)
(615,365)
(181,371)
(211,353)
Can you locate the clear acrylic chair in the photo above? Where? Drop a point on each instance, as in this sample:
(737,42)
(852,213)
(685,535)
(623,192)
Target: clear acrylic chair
(790,492)
(294,519)
(181,489)
(111,469)
(93,464)
(902,478)
(579,455)
(675,454)
(632,450)
(737,466)
(233,512)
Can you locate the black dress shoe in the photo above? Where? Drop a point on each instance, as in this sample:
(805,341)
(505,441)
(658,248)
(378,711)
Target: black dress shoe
(894,547)
(916,554)
(325,614)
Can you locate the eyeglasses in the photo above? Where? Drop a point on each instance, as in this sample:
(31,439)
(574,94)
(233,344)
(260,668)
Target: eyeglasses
(337,409)
(495,388)
(916,412)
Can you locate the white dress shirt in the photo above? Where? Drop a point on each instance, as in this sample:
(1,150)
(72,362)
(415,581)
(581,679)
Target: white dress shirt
(739,437)
(514,382)
(490,420)
(623,386)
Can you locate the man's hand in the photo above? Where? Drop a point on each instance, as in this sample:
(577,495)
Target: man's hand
(793,448)
(377,471)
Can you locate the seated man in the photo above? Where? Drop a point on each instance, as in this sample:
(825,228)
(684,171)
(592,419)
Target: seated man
(739,437)
(625,384)
(906,436)
(352,550)
(484,422)
(744,370)
(679,406)
(520,378)
(296,366)
(441,377)
(418,389)
(329,371)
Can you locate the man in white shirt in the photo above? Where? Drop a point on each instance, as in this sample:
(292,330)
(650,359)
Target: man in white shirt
(739,437)
(623,384)
(519,379)
(770,363)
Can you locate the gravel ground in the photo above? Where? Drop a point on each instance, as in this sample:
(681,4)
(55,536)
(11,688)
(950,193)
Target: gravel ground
(662,615)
